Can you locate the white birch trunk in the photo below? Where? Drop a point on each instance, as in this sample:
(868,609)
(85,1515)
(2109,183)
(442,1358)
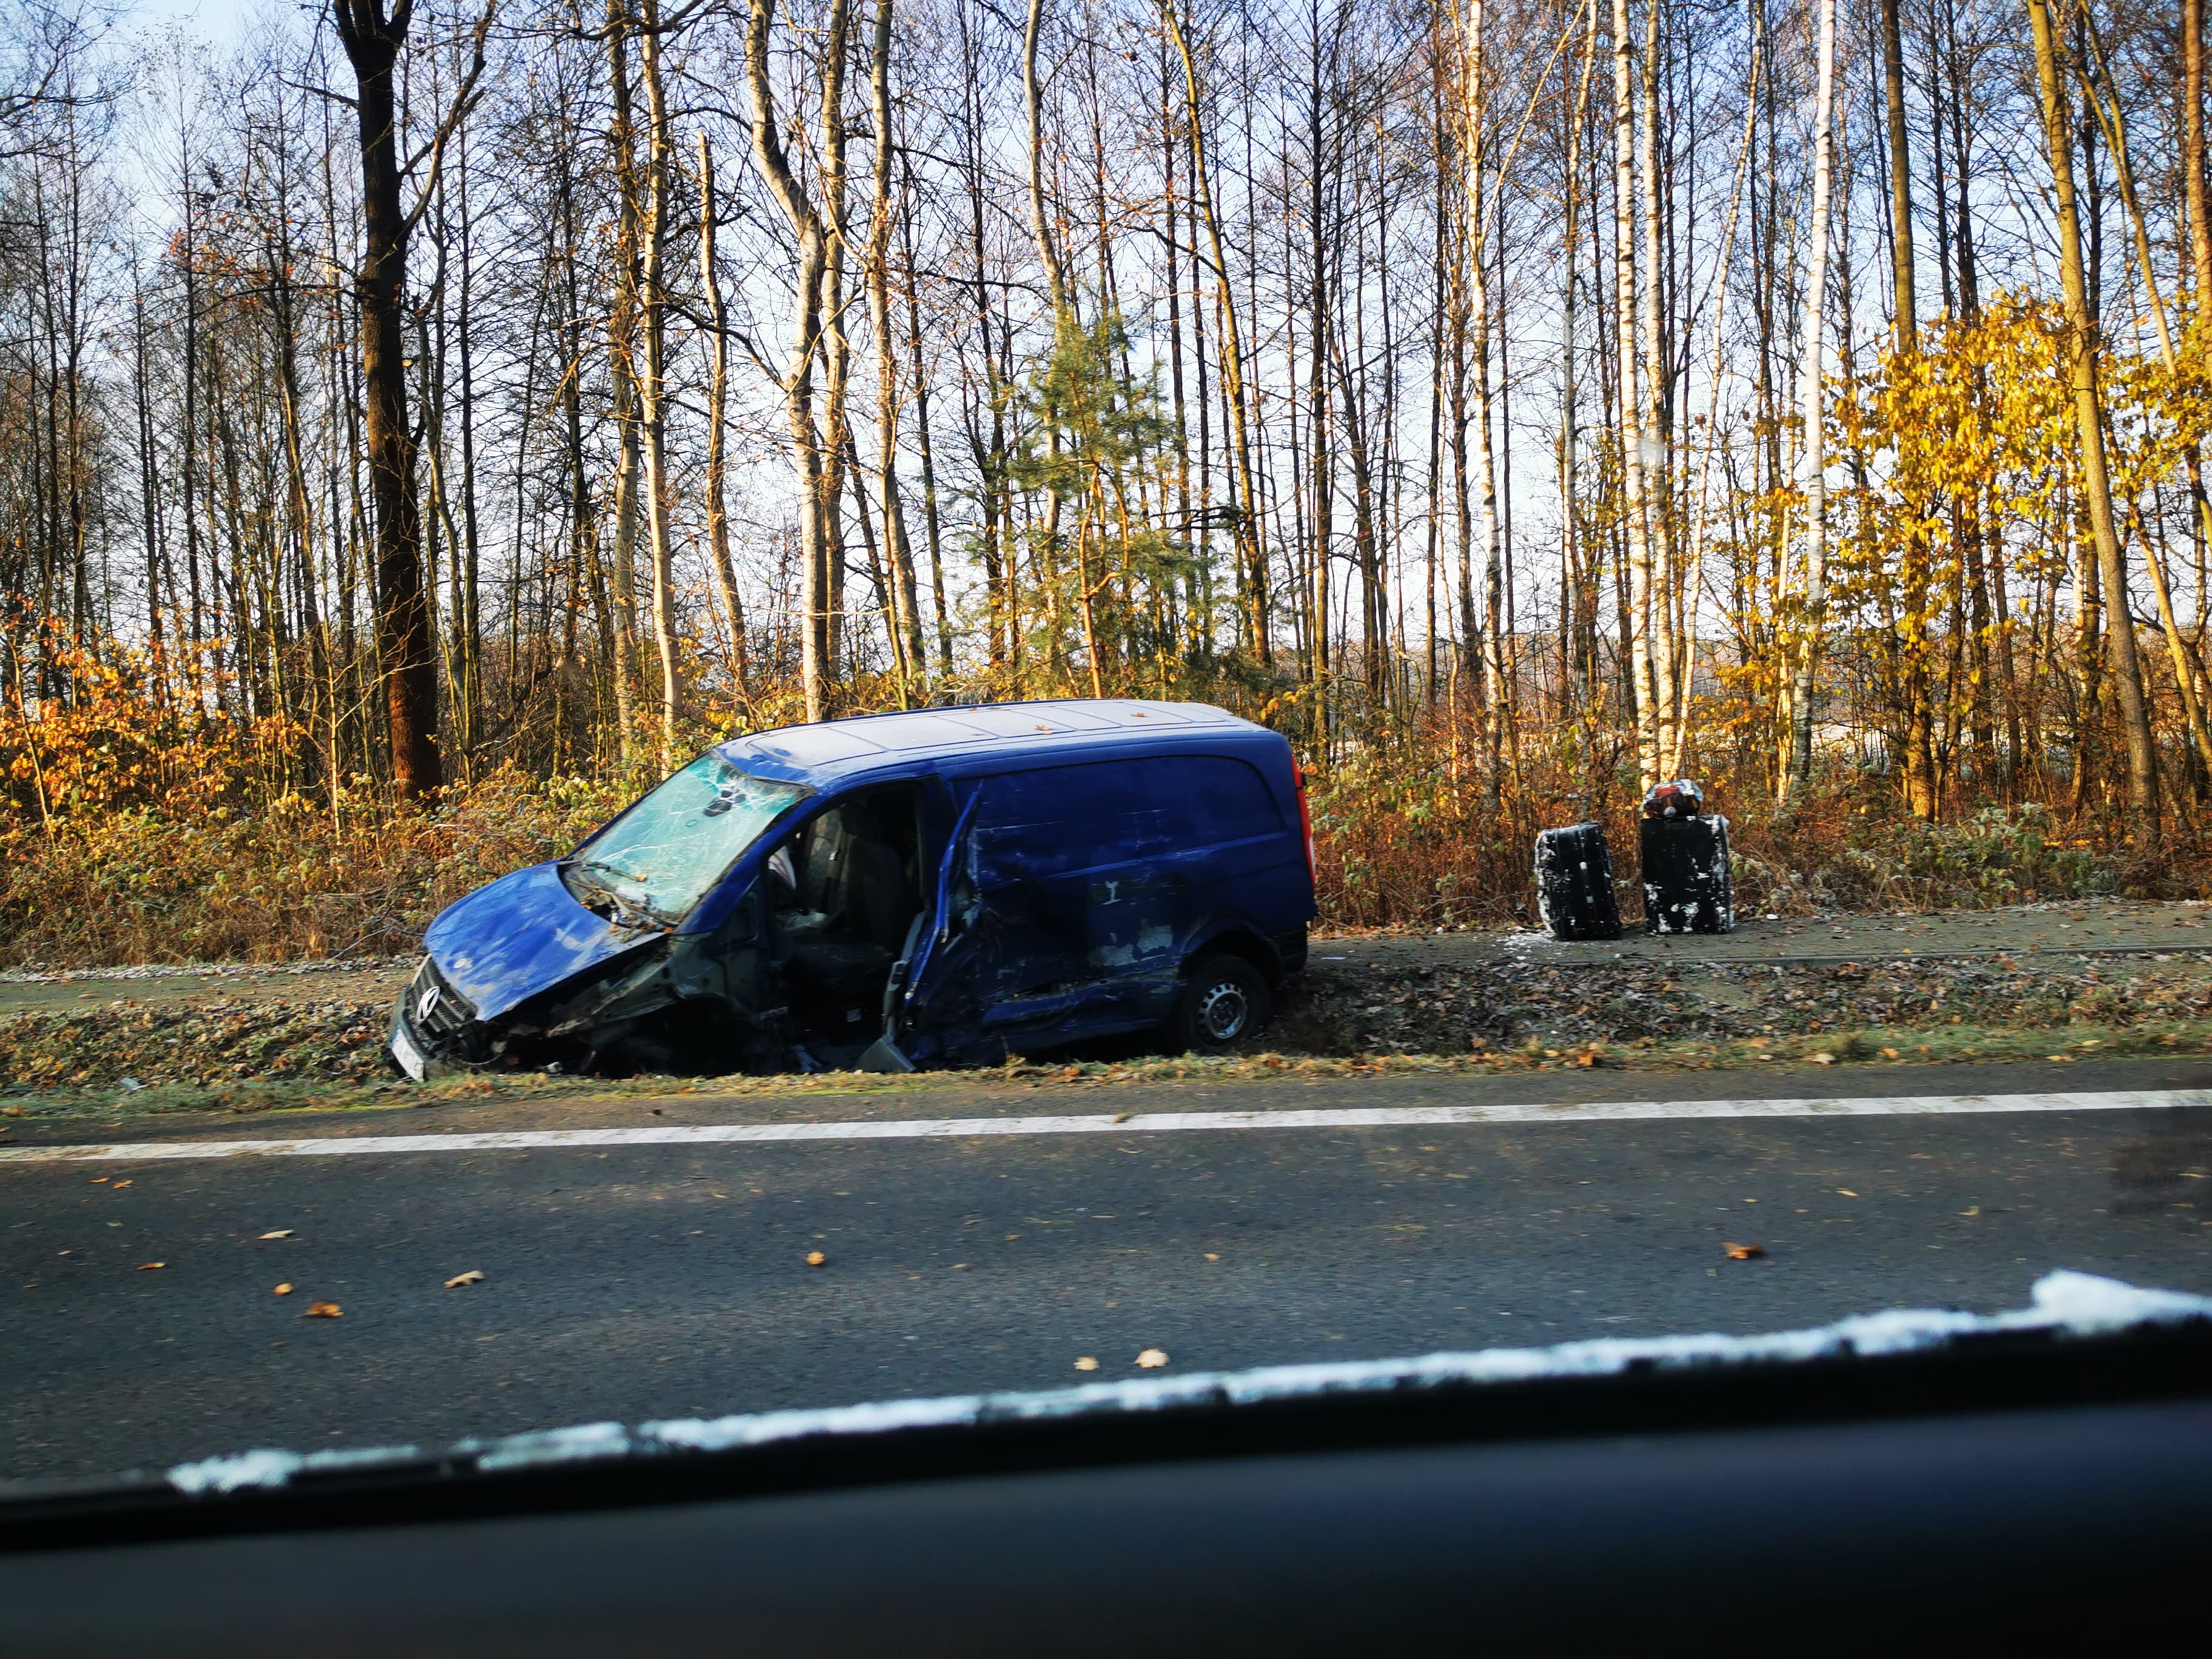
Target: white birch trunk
(652,401)
(1631,402)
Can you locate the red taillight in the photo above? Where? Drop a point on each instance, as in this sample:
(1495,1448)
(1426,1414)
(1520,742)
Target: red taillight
(1305,815)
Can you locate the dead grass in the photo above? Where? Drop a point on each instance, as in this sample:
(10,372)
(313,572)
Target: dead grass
(287,882)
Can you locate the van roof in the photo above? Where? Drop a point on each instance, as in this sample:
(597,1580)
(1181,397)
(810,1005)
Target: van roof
(836,752)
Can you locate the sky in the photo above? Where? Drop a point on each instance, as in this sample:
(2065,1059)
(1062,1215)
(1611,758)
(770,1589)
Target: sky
(219,22)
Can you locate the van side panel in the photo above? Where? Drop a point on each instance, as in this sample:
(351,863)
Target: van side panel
(1091,885)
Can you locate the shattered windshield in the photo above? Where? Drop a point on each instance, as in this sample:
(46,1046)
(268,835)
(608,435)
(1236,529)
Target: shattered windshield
(662,855)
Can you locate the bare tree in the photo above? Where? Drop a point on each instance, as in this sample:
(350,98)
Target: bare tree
(811,455)
(373,38)
(2083,349)
(1812,413)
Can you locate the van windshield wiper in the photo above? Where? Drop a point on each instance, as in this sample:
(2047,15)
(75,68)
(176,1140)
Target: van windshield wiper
(616,907)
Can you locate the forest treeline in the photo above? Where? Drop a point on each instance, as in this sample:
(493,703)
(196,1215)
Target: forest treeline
(420,424)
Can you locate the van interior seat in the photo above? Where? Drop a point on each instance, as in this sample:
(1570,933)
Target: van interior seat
(855,876)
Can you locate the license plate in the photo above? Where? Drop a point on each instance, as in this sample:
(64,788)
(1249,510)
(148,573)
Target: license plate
(412,1060)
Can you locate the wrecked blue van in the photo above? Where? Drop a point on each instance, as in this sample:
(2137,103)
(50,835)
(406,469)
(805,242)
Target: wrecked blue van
(947,886)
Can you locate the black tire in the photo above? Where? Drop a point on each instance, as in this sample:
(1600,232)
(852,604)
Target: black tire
(1226,1002)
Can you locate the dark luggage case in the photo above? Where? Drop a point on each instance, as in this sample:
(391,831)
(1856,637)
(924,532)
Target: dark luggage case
(1574,883)
(1685,876)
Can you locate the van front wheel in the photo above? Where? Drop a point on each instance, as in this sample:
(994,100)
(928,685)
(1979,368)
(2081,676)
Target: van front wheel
(1226,1002)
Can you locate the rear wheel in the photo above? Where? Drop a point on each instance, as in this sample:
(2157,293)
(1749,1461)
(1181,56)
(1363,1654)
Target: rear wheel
(1226,1002)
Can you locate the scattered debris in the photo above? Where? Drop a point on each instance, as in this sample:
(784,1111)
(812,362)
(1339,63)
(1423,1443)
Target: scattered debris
(217,1041)
(33,973)
(1519,1008)
(459,1280)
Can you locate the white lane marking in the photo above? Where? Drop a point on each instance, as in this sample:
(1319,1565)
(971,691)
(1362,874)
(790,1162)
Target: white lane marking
(1144,1123)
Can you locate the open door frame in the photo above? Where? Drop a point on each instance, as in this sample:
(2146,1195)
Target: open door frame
(909,974)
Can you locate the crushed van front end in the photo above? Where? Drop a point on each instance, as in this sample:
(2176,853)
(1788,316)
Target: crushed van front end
(435,1027)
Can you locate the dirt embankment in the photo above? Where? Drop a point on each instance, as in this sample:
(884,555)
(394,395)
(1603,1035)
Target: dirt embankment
(1936,981)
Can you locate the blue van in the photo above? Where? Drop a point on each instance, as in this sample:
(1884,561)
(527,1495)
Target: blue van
(945,886)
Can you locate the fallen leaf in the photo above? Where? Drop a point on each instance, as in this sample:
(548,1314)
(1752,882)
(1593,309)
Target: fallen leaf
(1743,1252)
(1977,1210)
(149,1266)
(459,1280)
(1087,1364)
(1846,1192)
(816,1258)
(1823,1060)
(1123,1117)
(282,1290)
(119,1186)
(323,1310)
(1152,1359)
(1211,1256)
(1889,1054)
(282,1232)
(97,1181)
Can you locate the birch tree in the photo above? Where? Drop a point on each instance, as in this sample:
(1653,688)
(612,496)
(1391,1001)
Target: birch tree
(1812,598)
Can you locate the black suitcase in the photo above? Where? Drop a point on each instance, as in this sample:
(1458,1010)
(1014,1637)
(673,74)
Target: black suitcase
(1685,876)
(1574,883)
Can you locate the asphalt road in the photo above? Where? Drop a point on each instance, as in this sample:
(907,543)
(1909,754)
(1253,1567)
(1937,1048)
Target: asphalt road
(634,1281)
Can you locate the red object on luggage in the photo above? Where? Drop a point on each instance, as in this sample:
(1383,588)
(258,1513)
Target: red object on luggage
(1680,798)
